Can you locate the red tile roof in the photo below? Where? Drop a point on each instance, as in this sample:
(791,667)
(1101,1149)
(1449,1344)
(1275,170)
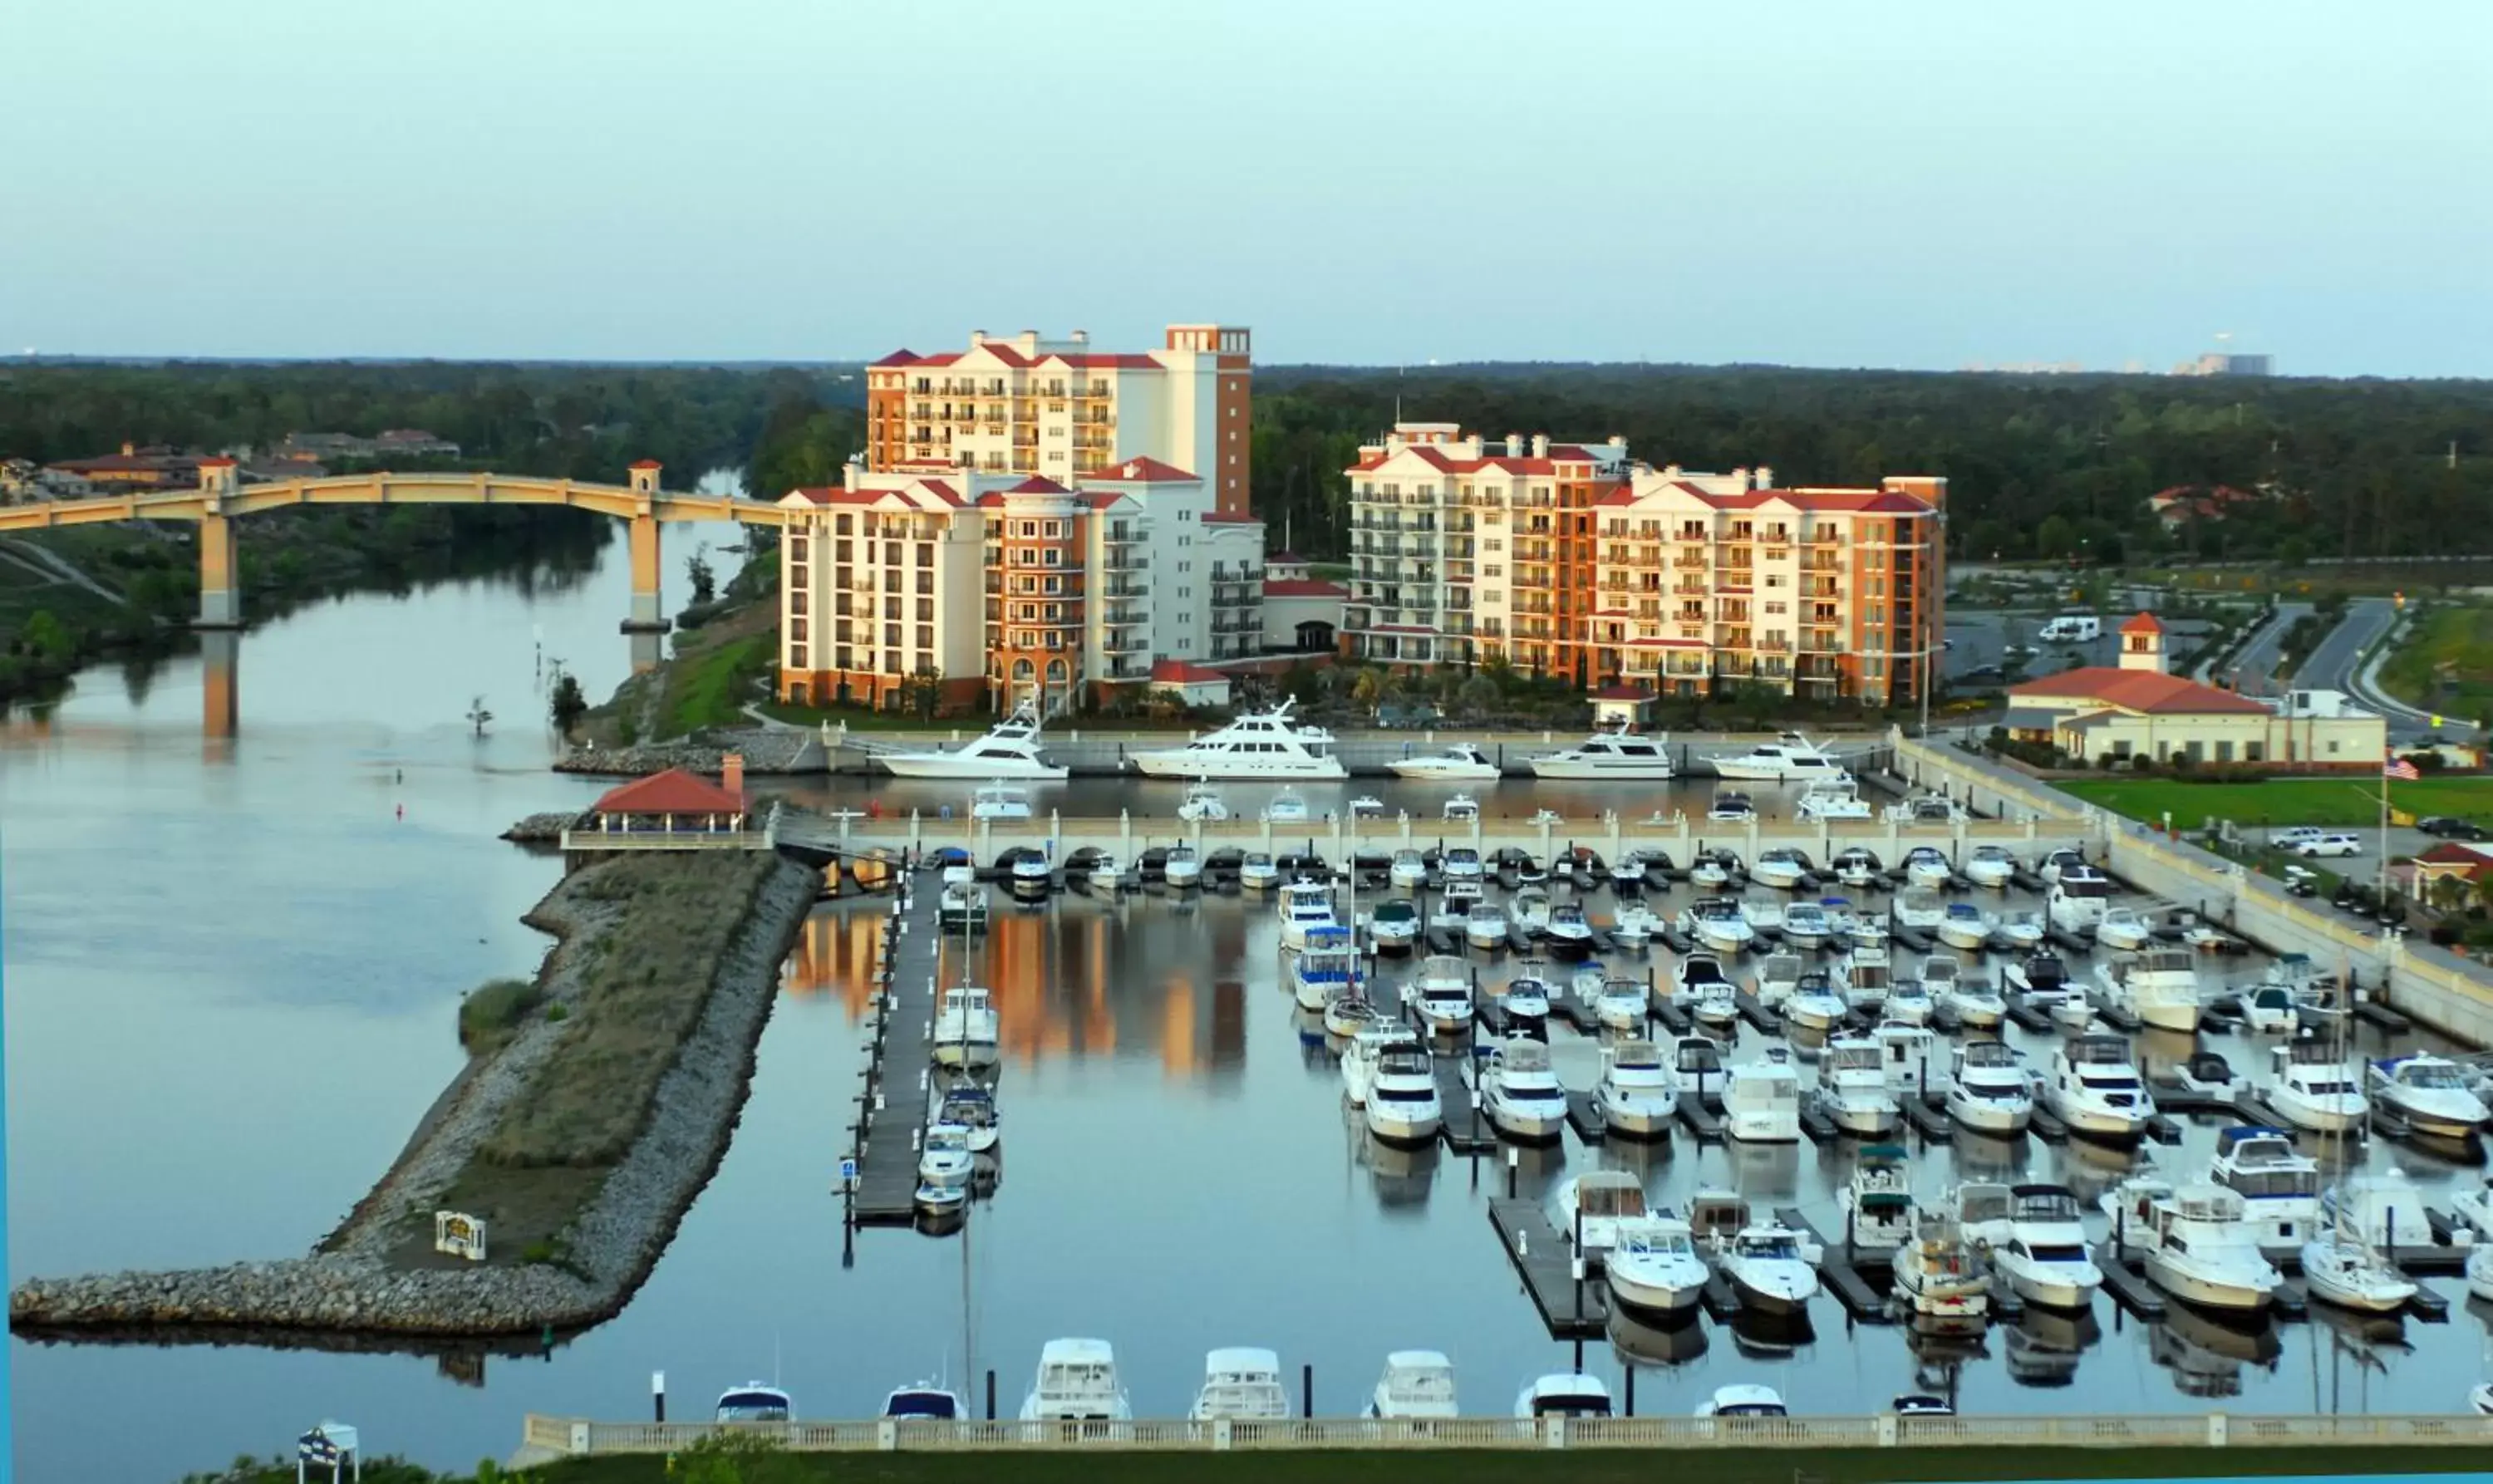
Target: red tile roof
(646,463)
(2449,852)
(2144,623)
(1102,360)
(1302,587)
(216,462)
(2138,689)
(901,357)
(1185,673)
(1036,484)
(675,792)
(1143,470)
(1284,559)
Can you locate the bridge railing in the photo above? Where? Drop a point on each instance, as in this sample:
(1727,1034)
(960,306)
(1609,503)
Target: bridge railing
(573,1436)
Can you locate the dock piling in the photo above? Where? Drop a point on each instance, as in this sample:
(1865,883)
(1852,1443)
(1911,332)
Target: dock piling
(991,1394)
(1307,1389)
(1513,1159)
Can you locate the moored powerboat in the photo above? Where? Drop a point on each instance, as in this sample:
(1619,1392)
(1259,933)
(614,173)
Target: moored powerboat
(966,1028)
(1805,925)
(1814,1004)
(2199,1249)
(1966,925)
(1937,1276)
(2280,1184)
(1618,754)
(1653,1265)
(2096,1090)
(1783,868)
(1857,867)
(1459,809)
(1927,867)
(1394,925)
(1766,1266)
(1402,1106)
(1762,1100)
(1257,745)
(1241,1383)
(1525,1000)
(1029,878)
(1008,751)
(1485,926)
(1636,1095)
(1696,1066)
(1458,760)
(1521,1093)
(1588,1210)
(1744,1401)
(2123,929)
(1989,1090)
(1853,1089)
(2343,1273)
(1908,1000)
(2429,1094)
(2078,898)
(1304,906)
(1778,976)
(1571,1394)
(1864,976)
(1717,923)
(1918,910)
(944,1159)
(1635,927)
(2022,931)
(972,1109)
(2315,1087)
(1181,867)
(925,1401)
(1409,870)
(1417,1384)
(2045,1258)
(1000,801)
(1454,903)
(1287,807)
(752,1402)
(1202,805)
(1361,1057)
(1789,757)
(2160,986)
(1325,967)
(1258,872)
(1878,1197)
(1831,801)
(1442,993)
(1967,998)
(1076,1382)
(1713,870)
(1991,867)
(1619,1004)
(1570,935)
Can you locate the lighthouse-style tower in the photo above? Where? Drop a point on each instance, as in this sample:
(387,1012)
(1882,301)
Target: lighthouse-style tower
(2141,643)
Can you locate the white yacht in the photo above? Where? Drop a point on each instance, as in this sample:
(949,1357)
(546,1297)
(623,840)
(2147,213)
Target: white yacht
(1878,1199)
(944,1159)
(1852,1087)
(1857,867)
(1455,903)
(1569,1395)
(2473,1206)
(2124,929)
(1416,1384)
(1409,870)
(924,1401)
(1763,914)
(2022,930)
(1918,910)
(1394,925)
(2315,1087)
(1653,1267)
(1570,935)
(1769,1268)
(2346,1274)
(1459,762)
(1937,1276)
(2269,1010)
(1461,863)
(1366,806)
(1485,926)
(1588,1210)
(1864,976)
(2045,1258)
(1521,1093)
(1325,967)
(1966,925)
(1287,807)
(1789,758)
(1815,1003)
(1442,993)
(1908,1000)
(1402,1106)
(1000,801)
(962,905)
(966,1028)
(1029,878)
(1241,1383)
(2095,1090)
(2056,861)
(1713,870)
(2037,976)
(1762,1100)
(1181,867)
(1927,809)
(2430,1094)
(2278,1183)
(1989,1090)
(1928,866)
(1785,867)
(1009,751)
(1991,867)
(1368,1047)
(1304,906)
(1350,1011)
(1529,910)
(1717,923)
(752,1402)
(1202,805)
(1965,997)
(1076,1382)
(2199,1249)
(2078,898)
(1459,809)
(1832,800)
(1805,925)
(1635,927)
(972,1109)
(1619,1004)
(1778,976)
(2160,986)
(1636,1095)
(1261,744)
(1525,1000)
(1743,1401)
(1713,1002)
(1619,755)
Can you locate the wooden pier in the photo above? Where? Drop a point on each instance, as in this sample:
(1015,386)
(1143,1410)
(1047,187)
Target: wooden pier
(1464,1129)
(2125,1280)
(1927,1113)
(1702,1122)
(1840,1271)
(1572,1310)
(893,1106)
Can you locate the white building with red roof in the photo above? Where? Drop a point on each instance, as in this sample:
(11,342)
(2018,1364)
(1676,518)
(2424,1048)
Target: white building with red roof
(2136,708)
(1571,559)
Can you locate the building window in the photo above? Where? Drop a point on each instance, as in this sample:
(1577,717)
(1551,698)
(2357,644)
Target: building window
(796,657)
(796,628)
(1055,557)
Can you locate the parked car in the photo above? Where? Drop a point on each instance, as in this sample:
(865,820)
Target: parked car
(2451,827)
(2293,835)
(2327,845)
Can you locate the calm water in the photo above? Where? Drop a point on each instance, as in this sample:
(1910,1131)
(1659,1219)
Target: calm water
(231,973)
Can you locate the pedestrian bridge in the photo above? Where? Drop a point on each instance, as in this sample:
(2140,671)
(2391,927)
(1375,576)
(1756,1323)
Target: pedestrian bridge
(221,498)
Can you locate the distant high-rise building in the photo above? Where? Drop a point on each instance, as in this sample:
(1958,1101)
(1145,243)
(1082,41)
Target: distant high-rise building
(2220,363)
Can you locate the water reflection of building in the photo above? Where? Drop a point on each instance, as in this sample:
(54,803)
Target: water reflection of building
(1069,981)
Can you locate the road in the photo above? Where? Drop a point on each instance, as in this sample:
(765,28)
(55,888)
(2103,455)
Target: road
(2336,666)
(2259,658)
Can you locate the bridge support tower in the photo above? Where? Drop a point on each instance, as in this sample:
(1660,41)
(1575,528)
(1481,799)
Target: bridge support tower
(648,622)
(220,580)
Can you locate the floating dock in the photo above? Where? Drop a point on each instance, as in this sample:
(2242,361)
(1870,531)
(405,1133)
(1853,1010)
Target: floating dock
(1702,1122)
(892,1107)
(2125,1280)
(1571,1310)
(1465,1130)
(1928,1114)
(1840,1272)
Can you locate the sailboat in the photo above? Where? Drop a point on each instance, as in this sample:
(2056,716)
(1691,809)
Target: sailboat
(2339,1266)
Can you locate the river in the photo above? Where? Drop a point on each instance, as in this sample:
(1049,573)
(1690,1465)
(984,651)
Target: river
(231,977)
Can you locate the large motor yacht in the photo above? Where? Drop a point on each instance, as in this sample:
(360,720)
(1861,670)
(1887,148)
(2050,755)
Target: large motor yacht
(1937,1276)
(1461,761)
(1788,758)
(2200,1250)
(1761,1101)
(1637,1095)
(2431,1094)
(1241,1383)
(1076,1382)
(1261,744)
(1402,1103)
(1852,1087)
(1416,1384)
(2160,986)
(2045,1258)
(2096,1089)
(2278,1183)
(1988,1088)
(1523,1095)
(1010,751)
(965,1029)
(2317,1087)
(1590,1210)
(1615,755)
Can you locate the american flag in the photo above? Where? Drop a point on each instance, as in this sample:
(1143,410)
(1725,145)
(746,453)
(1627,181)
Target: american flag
(2400,769)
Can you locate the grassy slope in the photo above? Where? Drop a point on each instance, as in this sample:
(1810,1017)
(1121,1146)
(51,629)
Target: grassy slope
(2460,638)
(2329,801)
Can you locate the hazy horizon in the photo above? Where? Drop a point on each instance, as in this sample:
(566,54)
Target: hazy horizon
(1921,187)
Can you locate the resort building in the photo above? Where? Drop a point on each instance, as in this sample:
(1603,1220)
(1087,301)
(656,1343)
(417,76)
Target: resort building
(2111,713)
(1569,559)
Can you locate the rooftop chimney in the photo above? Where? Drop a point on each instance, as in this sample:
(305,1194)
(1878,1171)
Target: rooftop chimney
(1541,445)
(1082,337)
(977,337)
(1515,445)
(1766,476)
(730,774)
(128,449)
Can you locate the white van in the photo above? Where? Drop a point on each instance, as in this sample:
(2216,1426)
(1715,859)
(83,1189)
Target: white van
(2073,628)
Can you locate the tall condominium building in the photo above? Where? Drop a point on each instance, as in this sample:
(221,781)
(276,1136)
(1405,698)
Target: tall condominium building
(1569,559)
(1061,410)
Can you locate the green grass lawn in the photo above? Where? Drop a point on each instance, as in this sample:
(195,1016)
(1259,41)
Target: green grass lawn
(2327,801)
(711,687)
(2445,665)
(1386,1465)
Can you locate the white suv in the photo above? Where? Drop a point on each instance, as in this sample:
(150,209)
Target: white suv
(2294,835)
(2327,845)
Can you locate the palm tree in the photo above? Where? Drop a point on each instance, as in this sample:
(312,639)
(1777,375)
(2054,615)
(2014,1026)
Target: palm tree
(2448,892)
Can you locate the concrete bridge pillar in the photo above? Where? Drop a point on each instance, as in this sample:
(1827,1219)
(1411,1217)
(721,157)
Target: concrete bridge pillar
(220,648)
(647,614)
(220,582)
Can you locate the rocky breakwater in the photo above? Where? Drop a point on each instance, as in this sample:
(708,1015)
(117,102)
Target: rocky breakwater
(764,749)
(580,1175)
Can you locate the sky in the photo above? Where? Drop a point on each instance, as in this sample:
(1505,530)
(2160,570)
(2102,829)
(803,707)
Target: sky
(1917,184)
